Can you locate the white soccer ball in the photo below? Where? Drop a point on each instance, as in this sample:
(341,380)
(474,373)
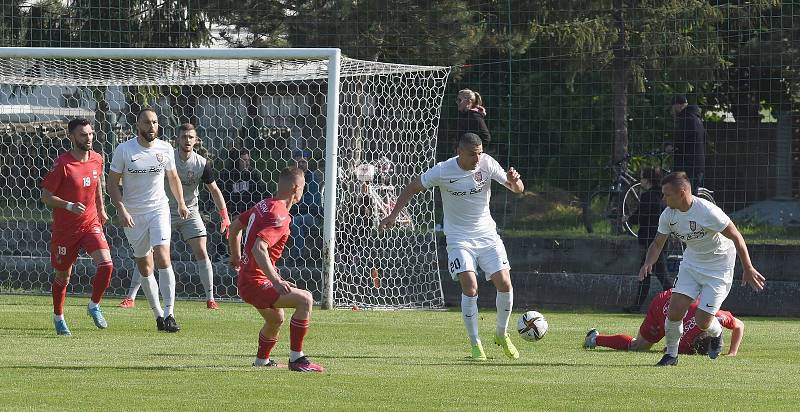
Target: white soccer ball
(532,326)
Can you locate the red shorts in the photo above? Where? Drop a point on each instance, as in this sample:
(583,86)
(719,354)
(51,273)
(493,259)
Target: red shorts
(652,328)
(261,296)
(64,248)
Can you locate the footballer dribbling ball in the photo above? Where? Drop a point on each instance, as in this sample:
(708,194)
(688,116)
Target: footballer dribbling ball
(532,326)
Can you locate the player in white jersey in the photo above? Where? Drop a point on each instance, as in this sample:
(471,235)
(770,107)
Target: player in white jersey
(143,210)
(193,169)
(706,272)
(472,241)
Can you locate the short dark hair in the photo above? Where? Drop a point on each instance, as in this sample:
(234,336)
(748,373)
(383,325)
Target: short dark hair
(291,173)
(186,127)
(653,175)
(700,345)
(75,123)
(145,110)
(678,99)
(679,179)
(469,139)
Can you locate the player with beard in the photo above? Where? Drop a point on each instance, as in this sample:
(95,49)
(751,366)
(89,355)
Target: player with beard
(193,169)
(73,190)
(143,210)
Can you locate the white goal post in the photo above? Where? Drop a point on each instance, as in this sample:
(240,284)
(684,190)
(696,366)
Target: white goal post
(270,104)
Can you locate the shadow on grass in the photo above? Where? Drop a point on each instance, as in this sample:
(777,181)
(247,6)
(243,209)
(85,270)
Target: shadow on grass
(130,368)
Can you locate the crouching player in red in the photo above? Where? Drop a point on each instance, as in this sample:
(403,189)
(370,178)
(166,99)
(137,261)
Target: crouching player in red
(266,229)
(652,331)
(72,189)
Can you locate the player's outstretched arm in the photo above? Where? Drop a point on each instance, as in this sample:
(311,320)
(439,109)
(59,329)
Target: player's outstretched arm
(260,253)
(750,275)
(177,191)
(235,244)
(514,181)
(653,252)
(112,185)
(52,201)
(412,188)
(219,201)
(736,338)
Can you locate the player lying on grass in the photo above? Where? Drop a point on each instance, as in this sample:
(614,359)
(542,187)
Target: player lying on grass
(266,227)
(651,331)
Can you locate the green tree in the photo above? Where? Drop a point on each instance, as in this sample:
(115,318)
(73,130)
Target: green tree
(676,42)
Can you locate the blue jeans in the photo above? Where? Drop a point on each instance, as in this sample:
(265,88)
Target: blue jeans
(299,230)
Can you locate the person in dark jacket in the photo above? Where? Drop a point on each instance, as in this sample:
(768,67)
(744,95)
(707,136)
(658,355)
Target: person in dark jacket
(471,115)
(309,208)
(689,145)
(243,185)
(646,216)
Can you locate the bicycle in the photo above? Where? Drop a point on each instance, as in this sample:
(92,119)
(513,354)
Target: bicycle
(618,201)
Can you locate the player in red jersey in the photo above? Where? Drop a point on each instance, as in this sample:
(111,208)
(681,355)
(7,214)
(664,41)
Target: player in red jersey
(266,227)
(652,330)
(73,190)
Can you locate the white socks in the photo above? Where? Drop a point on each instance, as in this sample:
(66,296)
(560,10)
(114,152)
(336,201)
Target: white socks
(672,333)
(715,329)
(166,282)
(136,282)
(93,305)
(150,289)
(504,302)
(469,312)
(293,356)
(206,273)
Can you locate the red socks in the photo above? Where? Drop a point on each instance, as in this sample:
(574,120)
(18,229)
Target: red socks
(618,342)
(59,294)
(101,280)
(265,346)
(297,331)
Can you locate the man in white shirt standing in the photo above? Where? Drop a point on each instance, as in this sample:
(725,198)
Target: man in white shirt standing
(706,272)
(472,239)
(143,210)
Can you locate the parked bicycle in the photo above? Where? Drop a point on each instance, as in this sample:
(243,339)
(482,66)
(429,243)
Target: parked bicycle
(606,209)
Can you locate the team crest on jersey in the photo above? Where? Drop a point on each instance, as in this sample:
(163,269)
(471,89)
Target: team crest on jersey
(692,225)
(159,158)
(477,176)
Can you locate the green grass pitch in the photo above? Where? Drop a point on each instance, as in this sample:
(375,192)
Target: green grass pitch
(375,360)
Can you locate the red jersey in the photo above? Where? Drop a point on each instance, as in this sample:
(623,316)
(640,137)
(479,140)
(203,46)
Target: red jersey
(75,181)
(691,331)
(269,220)
(652,327)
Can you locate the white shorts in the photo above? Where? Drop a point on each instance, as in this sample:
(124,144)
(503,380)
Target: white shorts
(191,227)
(709,290)
(149,229)
(491,259)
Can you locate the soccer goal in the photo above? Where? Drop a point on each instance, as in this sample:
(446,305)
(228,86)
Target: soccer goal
(256,111)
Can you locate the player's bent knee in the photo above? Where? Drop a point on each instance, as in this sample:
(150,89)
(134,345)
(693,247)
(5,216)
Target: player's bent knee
(62,276)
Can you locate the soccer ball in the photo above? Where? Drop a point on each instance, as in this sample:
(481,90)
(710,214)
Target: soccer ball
(532,326)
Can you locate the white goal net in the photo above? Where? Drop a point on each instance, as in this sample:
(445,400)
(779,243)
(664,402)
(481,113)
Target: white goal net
(256,111)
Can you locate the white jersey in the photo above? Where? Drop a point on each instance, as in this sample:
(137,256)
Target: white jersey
(706,249)
(143,170)
(465,198)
